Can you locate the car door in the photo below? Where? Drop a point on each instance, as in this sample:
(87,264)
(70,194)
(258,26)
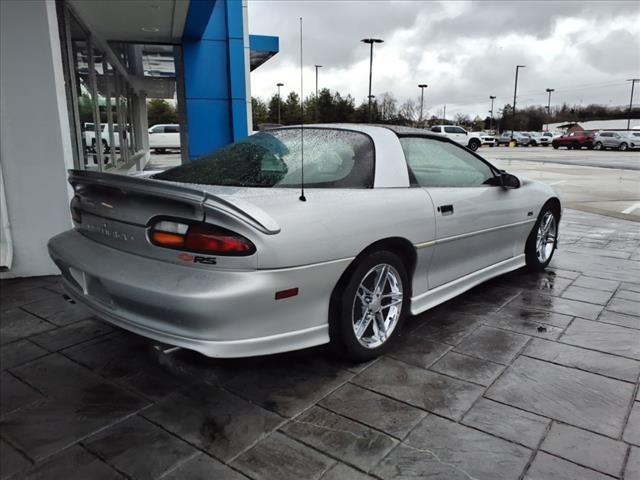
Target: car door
(155,136)
(478,223)
(456,134)
(615,140)
(172,134)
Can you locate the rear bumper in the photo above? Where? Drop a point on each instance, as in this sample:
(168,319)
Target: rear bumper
(220,313)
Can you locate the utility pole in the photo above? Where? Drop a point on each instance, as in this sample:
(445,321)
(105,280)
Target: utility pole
(492,97)
(279,101)
(633,82)
(515,93)
(422,86)
(444,115)
(317,104)
(549,90)
(370,41)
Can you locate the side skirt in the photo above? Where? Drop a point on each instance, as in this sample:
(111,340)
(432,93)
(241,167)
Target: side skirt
(452,289)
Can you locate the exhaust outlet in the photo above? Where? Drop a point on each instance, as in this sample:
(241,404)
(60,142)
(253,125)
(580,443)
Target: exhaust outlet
(166,349)
(68,299)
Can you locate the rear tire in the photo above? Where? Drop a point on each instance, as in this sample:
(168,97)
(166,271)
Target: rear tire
(555,147)
(364,319)
(533,143)
(543,240)
(623,147)
(474,144)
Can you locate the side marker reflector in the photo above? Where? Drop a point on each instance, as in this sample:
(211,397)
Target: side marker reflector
(291,292)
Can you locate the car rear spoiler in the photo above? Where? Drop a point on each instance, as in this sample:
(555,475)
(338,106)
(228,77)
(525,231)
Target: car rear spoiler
(189,193)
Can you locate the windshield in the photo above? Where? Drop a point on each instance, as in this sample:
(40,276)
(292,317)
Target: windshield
(332,159)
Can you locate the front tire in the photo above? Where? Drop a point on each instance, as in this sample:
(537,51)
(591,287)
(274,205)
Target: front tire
(371,307)
(533,143)
(623,147)
(597,146)
(543,240)
(474,144)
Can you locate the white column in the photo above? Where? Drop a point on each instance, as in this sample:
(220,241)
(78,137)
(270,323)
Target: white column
(247,64)
(35,150)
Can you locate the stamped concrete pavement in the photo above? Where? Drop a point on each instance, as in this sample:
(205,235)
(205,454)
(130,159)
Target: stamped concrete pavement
(528,376)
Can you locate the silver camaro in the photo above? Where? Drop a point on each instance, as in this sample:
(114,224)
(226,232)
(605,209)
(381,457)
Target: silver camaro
(228,256)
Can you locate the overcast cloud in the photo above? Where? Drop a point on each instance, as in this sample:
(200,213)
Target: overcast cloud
(464,51)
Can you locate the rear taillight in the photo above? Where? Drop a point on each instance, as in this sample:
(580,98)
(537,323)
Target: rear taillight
(200,238)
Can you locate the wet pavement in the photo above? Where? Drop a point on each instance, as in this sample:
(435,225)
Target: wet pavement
(529,376)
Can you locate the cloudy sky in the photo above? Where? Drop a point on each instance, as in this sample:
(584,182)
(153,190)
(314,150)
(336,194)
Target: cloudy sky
(465,51)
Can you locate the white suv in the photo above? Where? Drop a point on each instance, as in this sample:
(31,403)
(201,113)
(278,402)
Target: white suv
(472,141)
(164,136)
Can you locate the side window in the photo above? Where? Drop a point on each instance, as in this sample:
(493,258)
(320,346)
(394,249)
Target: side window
(435,129)
(459,130)
(442,164)
(158,129)
(171,129)
(451,130)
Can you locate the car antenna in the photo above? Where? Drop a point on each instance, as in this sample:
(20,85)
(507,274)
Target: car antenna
(302,197)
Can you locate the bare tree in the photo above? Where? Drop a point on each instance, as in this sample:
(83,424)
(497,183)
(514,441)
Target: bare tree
(388,106)
(462,119)
(409,111)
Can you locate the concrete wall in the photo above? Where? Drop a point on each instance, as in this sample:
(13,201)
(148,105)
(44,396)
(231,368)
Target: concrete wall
(35,142)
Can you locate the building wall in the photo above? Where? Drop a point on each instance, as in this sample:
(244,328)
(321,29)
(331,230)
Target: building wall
(35,145)
(215,78)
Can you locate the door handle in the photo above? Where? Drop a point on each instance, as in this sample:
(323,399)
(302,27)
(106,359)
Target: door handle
(446,209)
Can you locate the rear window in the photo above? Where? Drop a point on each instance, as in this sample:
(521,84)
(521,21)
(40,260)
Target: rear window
(332,159)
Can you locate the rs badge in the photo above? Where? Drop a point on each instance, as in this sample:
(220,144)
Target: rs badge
(185,257)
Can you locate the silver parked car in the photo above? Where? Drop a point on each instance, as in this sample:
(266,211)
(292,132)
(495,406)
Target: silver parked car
(540,138)
(620,140)
(228,256)
(519,138)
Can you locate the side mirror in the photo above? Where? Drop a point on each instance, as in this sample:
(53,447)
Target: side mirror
(509,181)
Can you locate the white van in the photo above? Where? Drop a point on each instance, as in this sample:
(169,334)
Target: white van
(164,136)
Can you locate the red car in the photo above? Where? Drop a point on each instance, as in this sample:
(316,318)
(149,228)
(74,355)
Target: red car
(577,140)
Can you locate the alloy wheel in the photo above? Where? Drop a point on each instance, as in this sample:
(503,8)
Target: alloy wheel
(546,237)
(377,306)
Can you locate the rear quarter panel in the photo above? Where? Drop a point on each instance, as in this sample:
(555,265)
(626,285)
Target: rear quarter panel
(336,224)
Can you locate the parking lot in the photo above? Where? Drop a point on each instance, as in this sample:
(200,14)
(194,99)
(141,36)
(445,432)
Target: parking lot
(603,182)
(527,376)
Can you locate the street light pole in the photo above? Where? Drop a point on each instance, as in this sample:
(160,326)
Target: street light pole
(370,41)
(549,90)
(492,97)
(279,101)
(317,104)
(422,86)
(633,82)
(444,115)
(515,92)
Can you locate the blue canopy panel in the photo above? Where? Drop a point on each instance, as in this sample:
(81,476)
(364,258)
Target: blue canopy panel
(262,48)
